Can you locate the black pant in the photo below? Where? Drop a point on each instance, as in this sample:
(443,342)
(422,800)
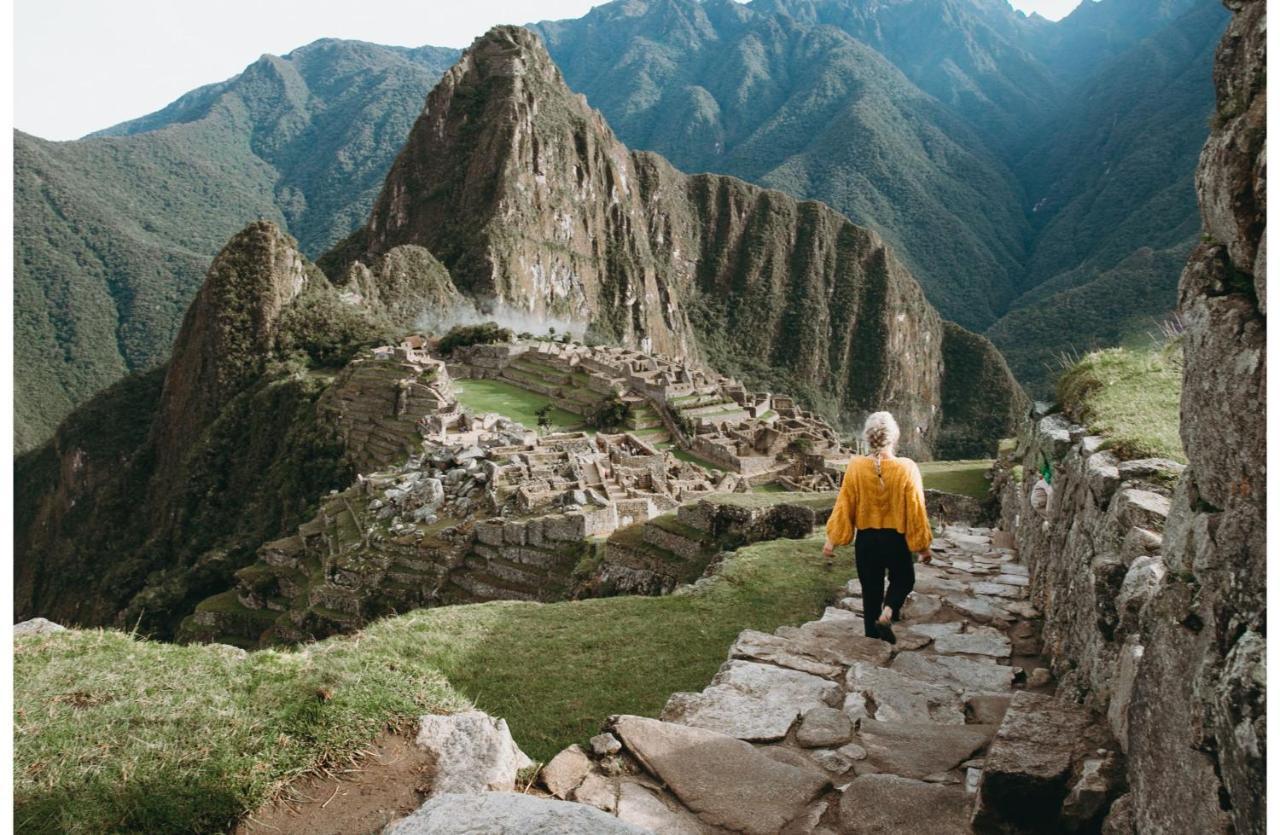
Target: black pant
(877,550)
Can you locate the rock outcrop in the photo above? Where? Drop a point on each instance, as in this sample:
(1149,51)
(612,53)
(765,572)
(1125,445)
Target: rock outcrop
(1152,578)
(528,199)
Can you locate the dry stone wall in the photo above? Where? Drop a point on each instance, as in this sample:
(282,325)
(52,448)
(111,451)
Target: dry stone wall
(1152,579)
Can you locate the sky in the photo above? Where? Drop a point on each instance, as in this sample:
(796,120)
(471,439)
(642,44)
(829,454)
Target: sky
(83,65)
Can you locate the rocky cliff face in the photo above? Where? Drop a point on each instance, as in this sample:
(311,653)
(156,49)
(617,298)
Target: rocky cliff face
(227,336)
(1203,677)
(1153,579)
(523,192)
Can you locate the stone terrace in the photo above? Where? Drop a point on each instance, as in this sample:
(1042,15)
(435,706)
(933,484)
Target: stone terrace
(760,436)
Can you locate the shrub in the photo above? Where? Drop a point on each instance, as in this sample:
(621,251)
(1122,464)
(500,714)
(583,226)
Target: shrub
(610,414)
(328,332)
(461,336)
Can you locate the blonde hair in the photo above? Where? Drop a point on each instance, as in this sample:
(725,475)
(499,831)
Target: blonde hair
(881,433)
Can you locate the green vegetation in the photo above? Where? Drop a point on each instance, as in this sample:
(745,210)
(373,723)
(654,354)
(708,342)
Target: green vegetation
(968,478)
(1130,395)
(976,382)
(521,405)
(820,112)
(461,336)
(1115,211)
(685,455)
(113,233)
(610,415)
(116,734)
(817,501)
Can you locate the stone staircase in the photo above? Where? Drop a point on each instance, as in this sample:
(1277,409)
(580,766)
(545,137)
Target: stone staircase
(645,423)
(818,729)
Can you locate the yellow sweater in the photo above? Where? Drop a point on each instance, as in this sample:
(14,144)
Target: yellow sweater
(895,500)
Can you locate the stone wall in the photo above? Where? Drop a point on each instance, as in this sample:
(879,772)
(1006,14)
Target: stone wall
(1154,591)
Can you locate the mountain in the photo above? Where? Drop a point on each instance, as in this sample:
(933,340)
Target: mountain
(114,232)
(523,192)
(1001,156)
(150,494)
(1114,213)
(804,107)
(1097,31)
(510,192)
(979,57)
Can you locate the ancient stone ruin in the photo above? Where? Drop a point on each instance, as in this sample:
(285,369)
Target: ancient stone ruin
(454,507)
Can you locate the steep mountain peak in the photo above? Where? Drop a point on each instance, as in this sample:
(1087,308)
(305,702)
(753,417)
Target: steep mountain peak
(517,186)
(229,330)
(524,194)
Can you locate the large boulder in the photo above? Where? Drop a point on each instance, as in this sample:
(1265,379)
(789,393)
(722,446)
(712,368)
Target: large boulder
(918,750)
(725,781)
(472,752)
(885,804)
(757,702)
(1037,755)
(36,626)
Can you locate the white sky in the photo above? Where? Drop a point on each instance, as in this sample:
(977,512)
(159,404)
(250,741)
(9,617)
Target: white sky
(83,65)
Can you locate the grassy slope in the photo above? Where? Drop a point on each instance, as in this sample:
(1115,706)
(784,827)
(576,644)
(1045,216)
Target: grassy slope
(114,734)
(968,478)
(1130,395)
(511,401)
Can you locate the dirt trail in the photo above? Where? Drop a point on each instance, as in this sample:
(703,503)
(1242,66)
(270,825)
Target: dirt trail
(386,785)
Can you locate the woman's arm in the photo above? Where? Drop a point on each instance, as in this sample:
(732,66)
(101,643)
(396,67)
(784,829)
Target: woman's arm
(840,524)
(919,533)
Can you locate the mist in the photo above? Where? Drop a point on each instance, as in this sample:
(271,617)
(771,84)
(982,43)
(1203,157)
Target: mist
(435,322)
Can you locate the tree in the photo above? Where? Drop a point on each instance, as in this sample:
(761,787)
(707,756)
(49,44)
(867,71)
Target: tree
(544,417)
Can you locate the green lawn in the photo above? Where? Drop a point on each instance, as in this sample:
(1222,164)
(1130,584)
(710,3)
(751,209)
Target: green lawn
(968,478)
(1130,395)
(117,734)
(511,401)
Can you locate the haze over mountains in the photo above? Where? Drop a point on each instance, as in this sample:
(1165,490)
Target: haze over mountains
(1013,164)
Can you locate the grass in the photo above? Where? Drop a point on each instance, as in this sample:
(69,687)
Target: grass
(513,402)
(968,478)
(116,734)
(1131,396)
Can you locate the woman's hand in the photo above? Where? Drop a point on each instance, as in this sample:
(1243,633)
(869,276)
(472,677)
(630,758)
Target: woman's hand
(828,550)
(926,555)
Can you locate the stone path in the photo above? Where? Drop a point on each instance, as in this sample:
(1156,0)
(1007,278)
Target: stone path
(817,728)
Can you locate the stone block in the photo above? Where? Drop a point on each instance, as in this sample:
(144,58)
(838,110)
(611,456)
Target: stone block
(1030,762)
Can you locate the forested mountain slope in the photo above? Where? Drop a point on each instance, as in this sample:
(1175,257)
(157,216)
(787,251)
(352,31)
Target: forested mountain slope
(113,232)
(1006,159)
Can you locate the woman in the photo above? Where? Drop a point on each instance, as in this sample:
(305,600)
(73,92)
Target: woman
(882,499)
